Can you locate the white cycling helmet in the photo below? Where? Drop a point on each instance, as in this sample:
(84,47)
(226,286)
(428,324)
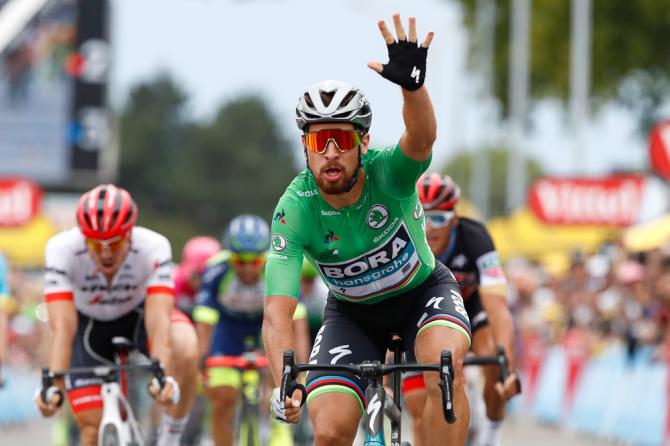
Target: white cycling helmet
(333,101)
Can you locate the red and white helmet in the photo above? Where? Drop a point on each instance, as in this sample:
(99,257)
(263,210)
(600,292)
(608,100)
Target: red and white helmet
(438,192)
(105,212)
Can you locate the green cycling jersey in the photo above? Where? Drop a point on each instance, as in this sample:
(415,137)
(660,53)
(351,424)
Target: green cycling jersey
(366,252)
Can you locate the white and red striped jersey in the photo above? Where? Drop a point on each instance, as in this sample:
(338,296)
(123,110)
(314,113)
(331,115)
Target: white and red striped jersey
(71,274)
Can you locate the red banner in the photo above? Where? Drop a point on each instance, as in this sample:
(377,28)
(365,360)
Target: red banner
(20,201)
(659,149)
(615,200)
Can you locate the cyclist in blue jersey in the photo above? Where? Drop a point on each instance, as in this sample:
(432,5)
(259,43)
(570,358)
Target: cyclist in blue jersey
(4,316)
(228,316)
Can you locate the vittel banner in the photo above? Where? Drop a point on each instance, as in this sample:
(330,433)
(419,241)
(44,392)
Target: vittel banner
(20,201)
(620,200)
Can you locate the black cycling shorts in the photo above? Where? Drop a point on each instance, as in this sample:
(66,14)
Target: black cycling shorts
(476,312)
(352,333)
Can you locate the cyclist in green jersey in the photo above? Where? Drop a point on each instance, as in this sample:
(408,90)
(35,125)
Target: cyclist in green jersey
(355,213)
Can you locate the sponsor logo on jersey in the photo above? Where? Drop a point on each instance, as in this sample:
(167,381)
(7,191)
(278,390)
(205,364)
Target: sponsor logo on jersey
(489,265)
(158,264)
(279,216)
(307,193)
(459,261)
(51,269)
(100,300)
(330,237)
(380,270)
(278,242)
(361,202)
(273,255)
(330,213)
(418,210)
(378,215)
(329,253)
(386,231)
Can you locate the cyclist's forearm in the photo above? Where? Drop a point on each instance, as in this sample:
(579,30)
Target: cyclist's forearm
(60,350)
(204,332)
(157,322)
(63,321)
(278,331)
(502,324)
(301,332)
(420,124)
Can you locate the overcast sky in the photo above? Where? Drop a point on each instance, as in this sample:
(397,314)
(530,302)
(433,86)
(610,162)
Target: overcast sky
(219,49)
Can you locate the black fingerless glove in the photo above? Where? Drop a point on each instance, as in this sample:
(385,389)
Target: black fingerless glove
(407,64)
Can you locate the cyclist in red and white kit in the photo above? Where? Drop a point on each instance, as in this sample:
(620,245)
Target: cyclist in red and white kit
(108,278)
(465,246)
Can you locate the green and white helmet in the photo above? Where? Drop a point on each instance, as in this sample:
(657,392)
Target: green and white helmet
(333,101)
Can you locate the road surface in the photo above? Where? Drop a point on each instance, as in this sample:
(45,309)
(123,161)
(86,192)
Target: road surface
(516,431)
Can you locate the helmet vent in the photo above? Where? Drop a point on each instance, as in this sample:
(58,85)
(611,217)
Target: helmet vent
(308,100)
(341,115)
(348,98)
(326,97)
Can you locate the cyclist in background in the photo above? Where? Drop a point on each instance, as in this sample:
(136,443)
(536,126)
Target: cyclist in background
(228,317)
(465,246)
(194,256)
(197,251)
(4,313)
(109,278)
(354,213)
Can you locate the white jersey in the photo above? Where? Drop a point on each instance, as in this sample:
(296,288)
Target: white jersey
(71,274)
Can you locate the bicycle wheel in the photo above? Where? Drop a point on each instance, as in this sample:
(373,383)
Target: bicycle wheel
(110,436)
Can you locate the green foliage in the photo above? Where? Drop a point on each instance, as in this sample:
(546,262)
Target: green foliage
(460,169)
(191,178)
(630,58)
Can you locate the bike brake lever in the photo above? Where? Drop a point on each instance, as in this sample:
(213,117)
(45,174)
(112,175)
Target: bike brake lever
(288,373)
(288,380)
(47,381)
(503,364)
(159,374)
(446,386)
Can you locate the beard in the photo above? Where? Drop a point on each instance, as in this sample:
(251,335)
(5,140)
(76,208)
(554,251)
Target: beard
(329,187)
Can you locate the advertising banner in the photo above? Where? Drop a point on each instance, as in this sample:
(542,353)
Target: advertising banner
(618,200)
(659,149)
(20,201)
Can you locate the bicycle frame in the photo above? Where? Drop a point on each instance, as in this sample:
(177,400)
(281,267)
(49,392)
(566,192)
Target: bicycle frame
(115,429)
(118,426)
(249,431)
(249,365)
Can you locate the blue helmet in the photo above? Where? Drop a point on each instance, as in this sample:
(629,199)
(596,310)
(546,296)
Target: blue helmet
(247,233)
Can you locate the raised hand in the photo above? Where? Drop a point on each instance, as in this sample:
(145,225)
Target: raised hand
(407,60)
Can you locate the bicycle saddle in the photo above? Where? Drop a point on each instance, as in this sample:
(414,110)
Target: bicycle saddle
(122,344)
